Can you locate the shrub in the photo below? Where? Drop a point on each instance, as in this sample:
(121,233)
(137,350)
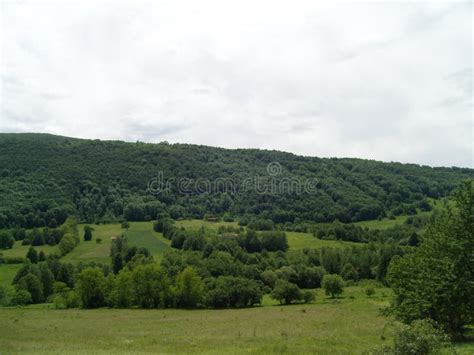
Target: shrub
(67,244)
(5,296)
(229,291)
(370,291)
(333,285)
(88,233)
(308,296)
(421,337)
(32,255)
(6,240)
(65,300)
(14,260)
(21,297)
(286,292)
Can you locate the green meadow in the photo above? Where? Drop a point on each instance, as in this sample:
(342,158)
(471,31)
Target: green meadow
(19,250)
(350,324)
(7,273)
(196,224)
(141,234)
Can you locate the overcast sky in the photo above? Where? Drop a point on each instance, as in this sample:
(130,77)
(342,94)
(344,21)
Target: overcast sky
(389,81)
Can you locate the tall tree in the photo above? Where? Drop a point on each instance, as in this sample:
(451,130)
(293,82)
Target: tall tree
(189,288)
(91,287)
(32,255)
(88,233)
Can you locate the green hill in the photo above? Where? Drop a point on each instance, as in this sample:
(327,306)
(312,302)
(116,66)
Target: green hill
(45,178)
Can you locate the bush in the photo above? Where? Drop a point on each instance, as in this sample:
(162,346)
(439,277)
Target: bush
(32,255)
(229,291)
(333,285)
(98,240)
(88,233)
(5,296)
(14,260)
(21,297)
(6,240)
(286,292)
(65,300)
(308,296)
(369,291)
(421,337)
(67,244)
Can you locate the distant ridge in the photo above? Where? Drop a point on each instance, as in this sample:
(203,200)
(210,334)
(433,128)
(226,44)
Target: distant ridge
(45,178)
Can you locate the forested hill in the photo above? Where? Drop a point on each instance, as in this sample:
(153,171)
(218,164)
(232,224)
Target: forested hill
(45,178)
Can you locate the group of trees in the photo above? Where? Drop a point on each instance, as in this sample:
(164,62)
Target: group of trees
(406,233)
(36,282)
(41,236)
(248,239)
(46,179)
(65,236)
(223,273)
(436,280)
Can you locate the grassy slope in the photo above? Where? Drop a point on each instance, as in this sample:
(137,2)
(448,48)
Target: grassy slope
(141,234)
(91,251)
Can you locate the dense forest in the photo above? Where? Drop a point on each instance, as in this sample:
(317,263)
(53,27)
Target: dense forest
(45,179)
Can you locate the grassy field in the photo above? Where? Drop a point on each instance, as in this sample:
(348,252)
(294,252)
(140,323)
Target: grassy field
(7,273)
(195,224)
(21,250)
(91,251)
(350,324)
(382,224)
(297,241)
(141,234)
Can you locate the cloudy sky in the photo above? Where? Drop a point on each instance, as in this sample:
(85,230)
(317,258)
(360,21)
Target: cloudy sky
(389,81)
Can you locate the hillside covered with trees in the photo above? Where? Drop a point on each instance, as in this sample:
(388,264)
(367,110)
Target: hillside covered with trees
(44,179)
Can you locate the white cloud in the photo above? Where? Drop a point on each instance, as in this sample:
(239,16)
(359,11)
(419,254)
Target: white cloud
(379,80)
